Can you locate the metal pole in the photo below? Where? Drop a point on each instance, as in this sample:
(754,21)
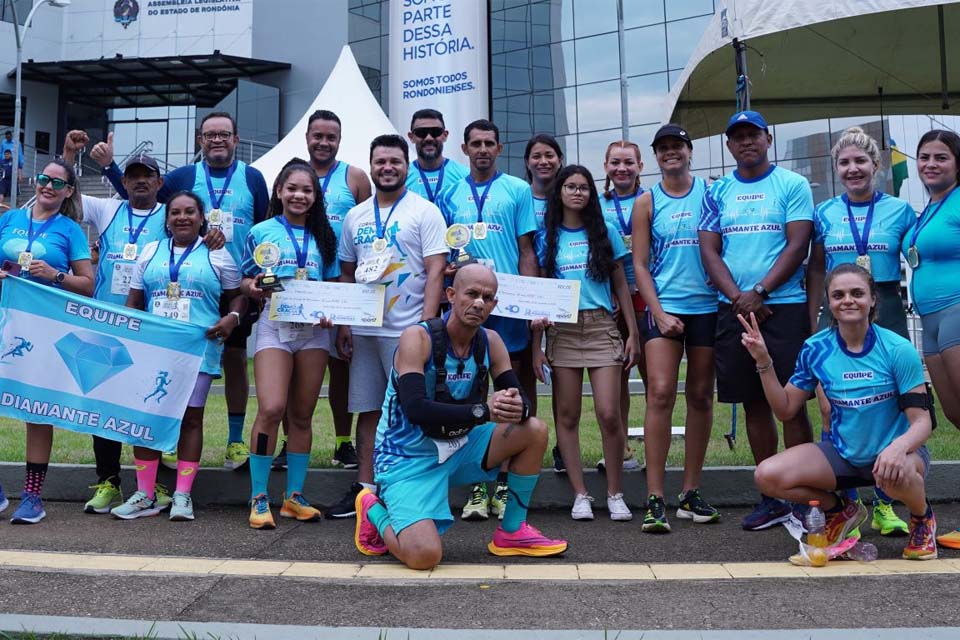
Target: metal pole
(624,88)
(741,59)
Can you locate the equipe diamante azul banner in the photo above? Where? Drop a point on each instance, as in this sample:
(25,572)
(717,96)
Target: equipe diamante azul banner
(438,60)
(93,367)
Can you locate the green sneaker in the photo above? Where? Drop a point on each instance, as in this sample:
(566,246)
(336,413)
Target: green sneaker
(238,454)
(163,496)
(476,507)
(169,460)
(886,521)
(655,520)
(105,497)
(498,501)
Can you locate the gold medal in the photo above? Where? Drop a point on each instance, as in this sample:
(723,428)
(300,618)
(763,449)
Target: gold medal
(173,291)
(129,251)
(379,245)
(913,257)
(864,262)
(24,259)
(215,218)
(479,230)
(628,242)
(300,274)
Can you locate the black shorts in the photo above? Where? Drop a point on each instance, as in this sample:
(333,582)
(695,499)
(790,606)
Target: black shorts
(238,337)
(699,330)
(784,333)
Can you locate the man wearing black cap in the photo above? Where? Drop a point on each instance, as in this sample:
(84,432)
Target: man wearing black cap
(755,230)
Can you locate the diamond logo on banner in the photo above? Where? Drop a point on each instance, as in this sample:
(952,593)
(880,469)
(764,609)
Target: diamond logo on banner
(92,358)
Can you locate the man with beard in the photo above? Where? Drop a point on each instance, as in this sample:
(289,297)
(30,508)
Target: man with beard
(397,239)
(433,173)
(235,197)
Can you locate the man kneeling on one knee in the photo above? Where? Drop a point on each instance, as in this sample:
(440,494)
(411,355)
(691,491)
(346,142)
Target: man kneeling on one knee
(438,431)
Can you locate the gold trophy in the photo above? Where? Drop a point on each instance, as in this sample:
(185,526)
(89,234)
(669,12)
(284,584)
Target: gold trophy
(458,237)
(267,256)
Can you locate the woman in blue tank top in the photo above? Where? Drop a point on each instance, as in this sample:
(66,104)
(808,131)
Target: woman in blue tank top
(681,316)
(543,159)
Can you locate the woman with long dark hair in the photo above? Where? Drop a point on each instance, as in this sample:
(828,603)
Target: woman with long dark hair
(577,244)
(543,159)
(291,358)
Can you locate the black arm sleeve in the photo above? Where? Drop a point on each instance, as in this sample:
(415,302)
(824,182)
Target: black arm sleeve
(509,379)
(412,390)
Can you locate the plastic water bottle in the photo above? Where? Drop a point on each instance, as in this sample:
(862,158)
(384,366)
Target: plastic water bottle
(863,551)
(816,525)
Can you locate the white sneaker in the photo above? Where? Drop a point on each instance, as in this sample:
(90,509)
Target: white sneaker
(618,508)
(582,507)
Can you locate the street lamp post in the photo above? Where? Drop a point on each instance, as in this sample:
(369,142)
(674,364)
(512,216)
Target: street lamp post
(17,106)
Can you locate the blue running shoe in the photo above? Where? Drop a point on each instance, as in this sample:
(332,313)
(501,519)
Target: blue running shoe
(30,510)
(4,503)
(768,513)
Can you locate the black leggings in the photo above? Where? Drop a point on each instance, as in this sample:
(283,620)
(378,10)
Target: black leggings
(107,454)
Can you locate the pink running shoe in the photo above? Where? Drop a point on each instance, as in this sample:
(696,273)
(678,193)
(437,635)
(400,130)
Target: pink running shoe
(525,541)
(366,537)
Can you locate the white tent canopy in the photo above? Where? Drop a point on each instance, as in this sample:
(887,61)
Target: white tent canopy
(345,93)
(812,59)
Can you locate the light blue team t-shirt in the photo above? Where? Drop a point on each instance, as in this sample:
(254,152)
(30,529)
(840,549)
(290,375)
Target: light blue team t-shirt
(235,199)
(508,214)
(539,210)
(573,254)
(890,221)
(752,217)
(863,388)
(683,286)
(275,231)
(438,180)
(337,196)
(618,211)
(58,244)
(203,277)
(935,285)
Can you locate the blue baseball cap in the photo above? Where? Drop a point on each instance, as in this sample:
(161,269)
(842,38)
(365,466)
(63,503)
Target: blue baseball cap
(752,118)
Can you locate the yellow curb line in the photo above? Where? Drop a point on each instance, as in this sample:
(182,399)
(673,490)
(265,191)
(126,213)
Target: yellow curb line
(388,571)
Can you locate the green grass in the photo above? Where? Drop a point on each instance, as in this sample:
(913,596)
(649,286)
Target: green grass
(76,448)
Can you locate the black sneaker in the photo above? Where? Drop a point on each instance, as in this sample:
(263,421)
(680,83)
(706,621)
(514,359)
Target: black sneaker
(558,465)
(345,456)
(280,462)
(693,507)
(655,520)
(346,508)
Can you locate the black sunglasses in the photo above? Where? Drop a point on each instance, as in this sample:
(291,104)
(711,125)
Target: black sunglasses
(423,132)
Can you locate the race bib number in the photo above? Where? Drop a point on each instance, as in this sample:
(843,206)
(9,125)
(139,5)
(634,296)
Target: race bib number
(293,331)
(122,275)
(226,225)
(371,269)
(178,309)
(446,448)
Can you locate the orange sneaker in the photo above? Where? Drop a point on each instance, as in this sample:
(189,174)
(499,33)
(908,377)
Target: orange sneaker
(841,523)
(260,516)
(368,540)
(296,506)
(922,544)
(950,540)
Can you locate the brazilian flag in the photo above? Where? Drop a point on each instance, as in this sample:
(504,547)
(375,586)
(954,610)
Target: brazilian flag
(898,167)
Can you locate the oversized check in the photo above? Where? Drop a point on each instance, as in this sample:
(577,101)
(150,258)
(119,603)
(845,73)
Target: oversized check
(311,301)
(531,298)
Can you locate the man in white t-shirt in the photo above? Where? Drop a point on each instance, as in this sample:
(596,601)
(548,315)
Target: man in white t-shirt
(397,239)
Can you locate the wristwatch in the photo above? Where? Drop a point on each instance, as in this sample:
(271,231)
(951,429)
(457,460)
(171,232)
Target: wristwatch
(59,278)
(480,413)
(760,291)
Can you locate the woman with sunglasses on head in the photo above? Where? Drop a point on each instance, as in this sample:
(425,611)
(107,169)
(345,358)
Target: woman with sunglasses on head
(933,253)
(291,358)
(681,317)
(543,159)
(45,244)
(621,187)
(578,244)
(866,227)
(181,279)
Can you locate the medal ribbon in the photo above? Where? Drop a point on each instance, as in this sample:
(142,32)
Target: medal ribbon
(431,195)
(214,199)
(625,225)
(326,178)
(860,242)
(31,236)
(301,249)
(382,227)
(175,268)
(131,234)
(479,200)
(924,218)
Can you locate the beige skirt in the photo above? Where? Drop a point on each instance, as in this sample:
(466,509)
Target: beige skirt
(593,341)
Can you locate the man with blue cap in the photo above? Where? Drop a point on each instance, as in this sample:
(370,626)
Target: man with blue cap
(755,230)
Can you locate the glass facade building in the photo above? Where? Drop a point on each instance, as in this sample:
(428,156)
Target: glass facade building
(555,68)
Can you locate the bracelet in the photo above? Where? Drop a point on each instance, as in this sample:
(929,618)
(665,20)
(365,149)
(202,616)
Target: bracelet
(237,314)
(765,367)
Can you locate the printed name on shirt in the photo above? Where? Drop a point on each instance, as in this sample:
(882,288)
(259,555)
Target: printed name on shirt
(459,377)
(751,197)
(873,246)
(751,228)
(682,214)
(863,402)
(858,375)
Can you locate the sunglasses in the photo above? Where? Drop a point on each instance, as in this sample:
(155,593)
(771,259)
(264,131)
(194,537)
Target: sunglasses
(423,132)
(57,183)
